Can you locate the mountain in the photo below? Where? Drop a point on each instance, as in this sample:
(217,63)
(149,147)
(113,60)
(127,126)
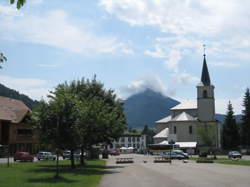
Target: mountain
(221,117)
(7,92)
(147,107)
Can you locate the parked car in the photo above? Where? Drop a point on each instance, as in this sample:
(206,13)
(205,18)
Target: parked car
(114,153)
(46,156)
(66,154)
(175,155)
(181,152)
(234,154)
(23,156)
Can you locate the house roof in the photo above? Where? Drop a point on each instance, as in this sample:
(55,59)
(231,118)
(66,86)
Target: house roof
(185,105)
(164,120)
(12,109)
(184,117)
(162,134)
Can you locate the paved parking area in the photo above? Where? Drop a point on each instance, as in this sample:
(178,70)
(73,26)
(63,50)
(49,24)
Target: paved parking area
(177,174)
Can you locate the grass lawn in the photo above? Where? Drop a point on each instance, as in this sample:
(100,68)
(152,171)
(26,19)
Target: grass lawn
(42,174)
(229,161)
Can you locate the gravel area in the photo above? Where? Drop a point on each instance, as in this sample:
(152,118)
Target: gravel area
(177,174)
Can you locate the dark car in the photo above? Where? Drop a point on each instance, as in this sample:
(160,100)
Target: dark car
(23,156)
(234,154)
(114,153)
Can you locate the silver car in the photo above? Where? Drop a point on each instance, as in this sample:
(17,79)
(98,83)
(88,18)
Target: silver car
(46,156)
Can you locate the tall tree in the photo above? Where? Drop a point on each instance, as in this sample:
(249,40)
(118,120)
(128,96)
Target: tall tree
(102,119)
(19,3)
(55,123)
(2,59)
(245,126)
(230,131)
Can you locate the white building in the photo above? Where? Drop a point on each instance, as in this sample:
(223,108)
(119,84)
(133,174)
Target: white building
(192,124)
(129,140)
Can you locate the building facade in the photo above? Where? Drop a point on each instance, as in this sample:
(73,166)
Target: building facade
(130,140)
(192,122)
(14,131)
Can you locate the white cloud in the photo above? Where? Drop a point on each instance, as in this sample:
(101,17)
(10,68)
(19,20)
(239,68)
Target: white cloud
(180,17)
(184,79)
(187,24)
(173,60)
(47,65)
(225,64)
(34,88)
(55,29)
(152,82)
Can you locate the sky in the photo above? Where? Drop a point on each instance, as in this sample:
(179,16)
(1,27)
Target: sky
(130,45)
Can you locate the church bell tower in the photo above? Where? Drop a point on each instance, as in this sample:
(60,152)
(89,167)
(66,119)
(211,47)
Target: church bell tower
(205,96)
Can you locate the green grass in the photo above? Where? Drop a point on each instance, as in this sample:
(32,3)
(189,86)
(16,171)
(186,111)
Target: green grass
(234,162)
(228,161)
(42,174)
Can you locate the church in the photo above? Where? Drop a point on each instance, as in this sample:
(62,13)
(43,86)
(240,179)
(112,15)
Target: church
(192,125)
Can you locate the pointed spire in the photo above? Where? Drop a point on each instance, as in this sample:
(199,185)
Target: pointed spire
(205,79)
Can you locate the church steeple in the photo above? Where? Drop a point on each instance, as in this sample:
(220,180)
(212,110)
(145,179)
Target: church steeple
(205,95)
(205,79)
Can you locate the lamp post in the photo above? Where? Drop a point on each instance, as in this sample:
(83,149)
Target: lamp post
(171,142)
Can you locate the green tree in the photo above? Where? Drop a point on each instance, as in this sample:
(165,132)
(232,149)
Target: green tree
(207,134)
(230,132)
(19,3)
(149,132)
(2,59)
(245,126)
(102,119)
(55,123)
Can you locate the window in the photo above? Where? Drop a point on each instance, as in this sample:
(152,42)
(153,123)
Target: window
(190,130)
(175,130)
(138,139)
(122,139)
(133,139)
(129,139)
(205,94)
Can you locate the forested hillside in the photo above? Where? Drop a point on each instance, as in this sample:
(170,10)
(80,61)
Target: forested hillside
(7,92)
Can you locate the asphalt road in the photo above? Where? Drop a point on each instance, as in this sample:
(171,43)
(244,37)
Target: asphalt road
(177,174)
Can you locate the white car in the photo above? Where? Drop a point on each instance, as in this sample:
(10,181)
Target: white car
(46,156)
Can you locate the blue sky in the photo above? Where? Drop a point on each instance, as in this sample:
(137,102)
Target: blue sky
(130,45)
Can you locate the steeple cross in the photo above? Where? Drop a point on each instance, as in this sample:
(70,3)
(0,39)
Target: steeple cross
(204,49)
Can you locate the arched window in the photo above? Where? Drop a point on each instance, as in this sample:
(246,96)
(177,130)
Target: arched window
(205,94)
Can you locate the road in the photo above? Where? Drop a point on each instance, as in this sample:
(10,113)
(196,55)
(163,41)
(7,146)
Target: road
(177,174)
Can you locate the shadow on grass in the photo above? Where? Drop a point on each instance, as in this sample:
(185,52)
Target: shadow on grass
(66,169)
(51,180)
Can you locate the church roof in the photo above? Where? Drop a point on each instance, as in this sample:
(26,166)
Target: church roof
(162,134)
(185,105)
(205,79)
(184,117)
(164,120)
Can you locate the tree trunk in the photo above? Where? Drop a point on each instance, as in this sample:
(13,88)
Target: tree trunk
(57,165)
(72,159)
(82,157)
